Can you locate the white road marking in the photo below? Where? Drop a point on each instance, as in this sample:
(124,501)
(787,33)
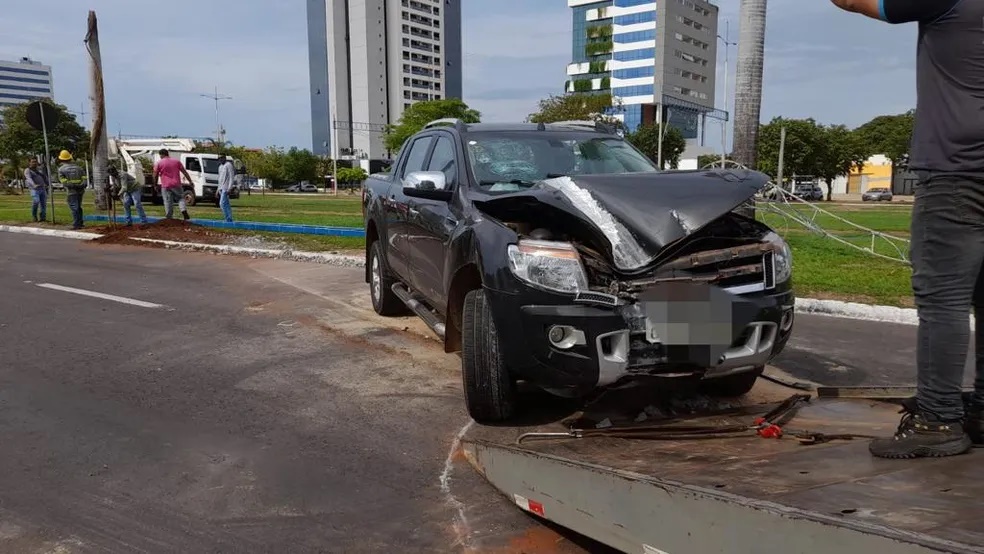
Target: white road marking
(461,528)
(93,294)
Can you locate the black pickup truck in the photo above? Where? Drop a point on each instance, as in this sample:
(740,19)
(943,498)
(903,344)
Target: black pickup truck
(560,256)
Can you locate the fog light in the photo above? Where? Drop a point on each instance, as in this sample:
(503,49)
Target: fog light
(564,336)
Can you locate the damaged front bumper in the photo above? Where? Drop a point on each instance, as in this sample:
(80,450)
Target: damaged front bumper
(598,340)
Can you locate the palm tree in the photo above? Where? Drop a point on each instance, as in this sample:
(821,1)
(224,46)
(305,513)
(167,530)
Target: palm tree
(748,81)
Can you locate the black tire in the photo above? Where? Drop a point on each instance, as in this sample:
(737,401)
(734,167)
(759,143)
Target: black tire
(384,301)
(189,197)
(732,385)
(490,392)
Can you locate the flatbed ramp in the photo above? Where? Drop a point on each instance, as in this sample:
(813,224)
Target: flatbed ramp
(743,494)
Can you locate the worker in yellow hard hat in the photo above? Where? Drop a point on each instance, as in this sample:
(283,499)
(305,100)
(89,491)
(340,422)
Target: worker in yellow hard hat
(73,178)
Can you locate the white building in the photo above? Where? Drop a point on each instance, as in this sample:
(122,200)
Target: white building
(23,81)
(371,59)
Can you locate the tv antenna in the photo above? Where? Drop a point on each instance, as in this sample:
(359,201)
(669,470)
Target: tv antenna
(215,96)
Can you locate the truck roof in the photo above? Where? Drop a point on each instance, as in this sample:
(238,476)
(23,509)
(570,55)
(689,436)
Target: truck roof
(563,126)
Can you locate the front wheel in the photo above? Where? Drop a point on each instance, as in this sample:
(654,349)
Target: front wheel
(732,385)
(490,392)
(384,301)
(189,198)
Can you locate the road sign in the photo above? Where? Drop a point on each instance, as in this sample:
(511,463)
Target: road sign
(34,118)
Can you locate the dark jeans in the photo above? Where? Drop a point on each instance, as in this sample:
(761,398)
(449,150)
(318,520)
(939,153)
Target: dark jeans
(75,206)
(947,255)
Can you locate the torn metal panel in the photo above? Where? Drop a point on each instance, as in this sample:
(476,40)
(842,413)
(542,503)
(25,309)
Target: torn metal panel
(628,254)
(634,216)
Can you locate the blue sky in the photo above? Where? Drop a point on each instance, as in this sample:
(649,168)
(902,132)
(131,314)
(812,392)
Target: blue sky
(820,62)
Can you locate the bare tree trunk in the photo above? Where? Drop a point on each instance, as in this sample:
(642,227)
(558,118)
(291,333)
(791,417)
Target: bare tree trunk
(99,145)
(748,81)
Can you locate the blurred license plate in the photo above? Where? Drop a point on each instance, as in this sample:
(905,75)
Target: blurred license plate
(688,314)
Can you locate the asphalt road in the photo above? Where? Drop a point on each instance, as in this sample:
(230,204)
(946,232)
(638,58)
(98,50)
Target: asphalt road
(845,352)
(257,405)
(245,415)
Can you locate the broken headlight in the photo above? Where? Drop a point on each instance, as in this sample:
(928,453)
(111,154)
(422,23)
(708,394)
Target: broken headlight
(550,265)
(783,257)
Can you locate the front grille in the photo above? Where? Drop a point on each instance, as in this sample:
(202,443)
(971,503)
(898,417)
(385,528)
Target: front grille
(743,274)
(739,270)
(769,267)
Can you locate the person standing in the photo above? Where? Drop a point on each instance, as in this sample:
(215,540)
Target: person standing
(73,178)
(130,193)
(947,155)
(227,175)
(38,181)
(168,172)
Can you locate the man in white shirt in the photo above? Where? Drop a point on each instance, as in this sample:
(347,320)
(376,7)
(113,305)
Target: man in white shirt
(227,175)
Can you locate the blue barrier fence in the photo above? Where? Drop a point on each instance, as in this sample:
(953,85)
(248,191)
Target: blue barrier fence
(256,226)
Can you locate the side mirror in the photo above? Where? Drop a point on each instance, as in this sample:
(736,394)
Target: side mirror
(432,185)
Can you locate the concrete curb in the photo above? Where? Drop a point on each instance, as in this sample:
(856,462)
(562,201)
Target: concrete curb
(286,254)
(833,308)
(78,235)
(293,228)
(869,312)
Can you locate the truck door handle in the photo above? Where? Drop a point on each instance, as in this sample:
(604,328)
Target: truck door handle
(413,211)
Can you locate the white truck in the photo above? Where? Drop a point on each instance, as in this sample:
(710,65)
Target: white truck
(202,167)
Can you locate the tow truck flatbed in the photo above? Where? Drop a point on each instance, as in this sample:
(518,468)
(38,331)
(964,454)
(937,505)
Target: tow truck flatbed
(745,494)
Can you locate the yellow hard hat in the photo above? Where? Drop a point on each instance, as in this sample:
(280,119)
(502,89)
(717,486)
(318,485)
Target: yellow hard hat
(65,156)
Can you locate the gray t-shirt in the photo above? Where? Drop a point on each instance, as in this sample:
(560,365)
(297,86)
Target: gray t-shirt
(948,135)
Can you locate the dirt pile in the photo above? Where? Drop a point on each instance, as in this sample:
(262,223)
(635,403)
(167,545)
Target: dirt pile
(165,229)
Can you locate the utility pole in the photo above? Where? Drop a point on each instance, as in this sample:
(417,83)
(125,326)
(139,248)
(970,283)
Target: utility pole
(662,134)
(748,78)
(659,147)
(727,51)
(215,96)
(782,154)
(334,154)
(99,145)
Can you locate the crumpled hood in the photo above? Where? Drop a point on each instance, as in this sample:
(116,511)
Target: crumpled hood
(638,214)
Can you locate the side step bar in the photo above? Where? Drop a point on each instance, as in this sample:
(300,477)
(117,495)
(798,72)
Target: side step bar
(418,307)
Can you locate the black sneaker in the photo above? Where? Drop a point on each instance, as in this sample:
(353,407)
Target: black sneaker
(922,435)
(186,216)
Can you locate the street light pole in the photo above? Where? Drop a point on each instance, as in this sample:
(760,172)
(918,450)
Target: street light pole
(334,154)
(727,51)
(218,127)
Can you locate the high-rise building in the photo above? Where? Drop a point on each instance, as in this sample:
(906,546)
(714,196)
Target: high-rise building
(372,59)
(24,80)
(652,55)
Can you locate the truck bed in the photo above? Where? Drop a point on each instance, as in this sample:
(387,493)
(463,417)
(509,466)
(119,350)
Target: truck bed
(747,494)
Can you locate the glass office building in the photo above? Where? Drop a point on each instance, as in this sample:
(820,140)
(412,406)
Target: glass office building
(656,57)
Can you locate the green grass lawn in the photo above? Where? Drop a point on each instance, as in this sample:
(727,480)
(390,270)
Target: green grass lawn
(344,211)
(822,267)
